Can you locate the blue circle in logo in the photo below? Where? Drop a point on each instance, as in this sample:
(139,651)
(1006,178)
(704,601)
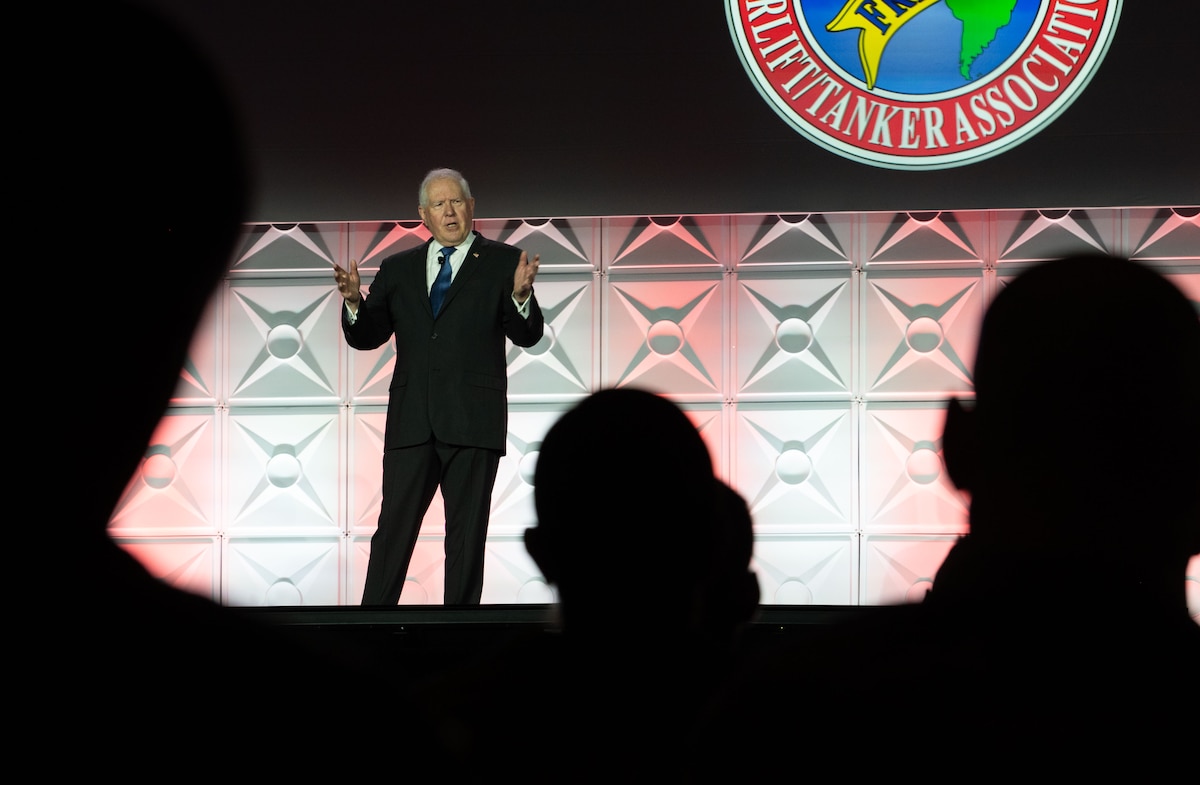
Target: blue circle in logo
(945,46)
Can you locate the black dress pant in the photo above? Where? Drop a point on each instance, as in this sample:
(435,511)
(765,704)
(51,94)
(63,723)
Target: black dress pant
(411,476)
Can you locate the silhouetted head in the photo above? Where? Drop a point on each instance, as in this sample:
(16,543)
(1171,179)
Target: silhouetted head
(1085,433)
(732,586)
(626,498)
(160,183)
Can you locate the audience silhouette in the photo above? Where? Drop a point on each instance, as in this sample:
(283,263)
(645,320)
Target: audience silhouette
(157,677)
(654,586)
(1056,637)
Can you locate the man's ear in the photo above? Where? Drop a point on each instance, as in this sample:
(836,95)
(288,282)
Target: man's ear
(959,450)
(541,552)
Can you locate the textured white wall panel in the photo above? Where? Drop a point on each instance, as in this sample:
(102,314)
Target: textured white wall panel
(364,468)
(665,244)
(512,577)
(794,336)
(666,334)
(918,333)
(1036,235)
(283,571)
(1188,280)
(427,577)
(898,569)
(189,563)
(901,475)
(200,378)
(359,552)
(175,488)
(794,242)
(796,465)
(923,240)
(285,342)
(282,469)
(512,496)
(564,245)
(815,353)
(805,569)
(369,370)
(279,250)
(1162,234)
(564,364)
(712,420)
(371,243)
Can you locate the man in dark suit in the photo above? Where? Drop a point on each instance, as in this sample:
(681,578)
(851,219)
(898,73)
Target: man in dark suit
(450,304)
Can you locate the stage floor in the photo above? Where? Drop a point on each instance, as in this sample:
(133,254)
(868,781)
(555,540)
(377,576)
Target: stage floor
(431,636)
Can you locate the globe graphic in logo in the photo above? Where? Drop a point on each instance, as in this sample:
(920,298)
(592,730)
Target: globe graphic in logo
(921,84)
(945,46)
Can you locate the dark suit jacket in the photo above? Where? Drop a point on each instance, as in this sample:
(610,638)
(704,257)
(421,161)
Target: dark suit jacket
(451,377)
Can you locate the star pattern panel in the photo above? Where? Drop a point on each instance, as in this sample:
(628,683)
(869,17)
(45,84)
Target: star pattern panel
(796,465)
(711,420)
(923,240)
(512,495)
(174,490)
(658,244)
(284,342)
(369,370)
(371,243)
(794,242)
(364,468)
(189,563)
(919,331)
(665,334)
(267,571)
(902,477)
(562,245)
(900,569)
(1036,235)
(807,569)
(200,378)
(1188,281)
(512,577)
(565,362)
(289,249)
(282,470)
(1167,234)
(795,336)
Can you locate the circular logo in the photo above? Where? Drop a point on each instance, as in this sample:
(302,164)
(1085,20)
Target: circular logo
(920,84)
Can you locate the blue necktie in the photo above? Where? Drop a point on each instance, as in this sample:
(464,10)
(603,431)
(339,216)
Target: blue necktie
(441,284)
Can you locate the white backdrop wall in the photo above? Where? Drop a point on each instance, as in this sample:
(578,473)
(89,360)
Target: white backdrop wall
(814,352)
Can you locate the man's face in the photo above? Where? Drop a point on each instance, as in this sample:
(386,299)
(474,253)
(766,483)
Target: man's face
(449,214)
